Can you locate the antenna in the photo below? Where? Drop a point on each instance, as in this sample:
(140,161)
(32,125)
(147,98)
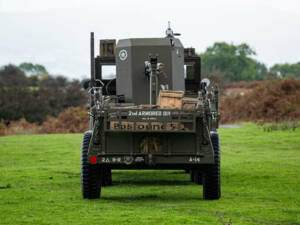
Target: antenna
(92,60)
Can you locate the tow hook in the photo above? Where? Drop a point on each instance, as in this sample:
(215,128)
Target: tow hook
(128,160)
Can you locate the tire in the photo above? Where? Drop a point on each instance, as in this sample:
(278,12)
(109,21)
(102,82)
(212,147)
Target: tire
(106,179)
(90,174)
(211,179)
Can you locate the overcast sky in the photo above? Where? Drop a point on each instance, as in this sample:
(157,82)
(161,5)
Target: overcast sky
(56,33)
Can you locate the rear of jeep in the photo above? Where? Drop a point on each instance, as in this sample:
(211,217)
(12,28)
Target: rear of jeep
(139,119)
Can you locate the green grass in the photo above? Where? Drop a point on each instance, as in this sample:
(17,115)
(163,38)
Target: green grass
(40,184)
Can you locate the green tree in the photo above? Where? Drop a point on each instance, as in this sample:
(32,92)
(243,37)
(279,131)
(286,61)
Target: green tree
(33,69)
(286,70)
(234,61)
(50,94)
(11,75)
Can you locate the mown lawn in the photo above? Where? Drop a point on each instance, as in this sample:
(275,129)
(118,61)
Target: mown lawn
(40,184)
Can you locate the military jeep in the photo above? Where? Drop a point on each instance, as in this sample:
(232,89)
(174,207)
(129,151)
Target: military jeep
(149,109)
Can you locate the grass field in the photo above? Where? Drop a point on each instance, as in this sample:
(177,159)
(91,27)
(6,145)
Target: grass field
(40,184)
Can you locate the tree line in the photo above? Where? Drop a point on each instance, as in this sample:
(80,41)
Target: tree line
(233,63)
(29,91)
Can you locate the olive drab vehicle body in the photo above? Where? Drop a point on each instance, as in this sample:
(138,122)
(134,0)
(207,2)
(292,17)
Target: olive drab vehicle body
(149,109)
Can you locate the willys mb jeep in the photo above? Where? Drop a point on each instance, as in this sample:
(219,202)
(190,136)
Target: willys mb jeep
(149,109)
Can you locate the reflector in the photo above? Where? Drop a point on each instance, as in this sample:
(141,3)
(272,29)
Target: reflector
(93,159)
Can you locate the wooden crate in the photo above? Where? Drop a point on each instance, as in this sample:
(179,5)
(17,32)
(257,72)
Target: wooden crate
(108,47)
(170,99)
(189,103)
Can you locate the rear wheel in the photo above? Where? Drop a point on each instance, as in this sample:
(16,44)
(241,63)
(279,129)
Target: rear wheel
(211,179)
(90,174)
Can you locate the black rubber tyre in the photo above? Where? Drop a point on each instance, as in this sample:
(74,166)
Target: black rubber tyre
(211,179)
(106,178)
(90,174)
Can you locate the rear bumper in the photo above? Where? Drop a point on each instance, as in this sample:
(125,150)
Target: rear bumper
(154,160)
